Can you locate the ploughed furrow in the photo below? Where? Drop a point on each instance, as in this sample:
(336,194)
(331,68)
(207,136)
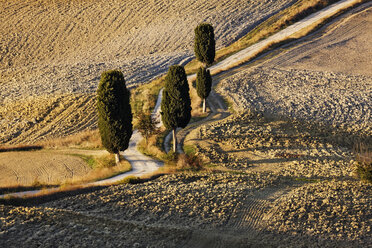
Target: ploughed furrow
(85,29)
(251,216)
(43,119)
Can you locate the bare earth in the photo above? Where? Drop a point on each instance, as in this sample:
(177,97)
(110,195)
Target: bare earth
(27,168)
(286,182)
(59,48)
(63,46)
(326,78)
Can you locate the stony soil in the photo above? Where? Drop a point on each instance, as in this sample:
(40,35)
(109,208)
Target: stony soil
(176,210)
(189,201)
(334,210)
(288,148)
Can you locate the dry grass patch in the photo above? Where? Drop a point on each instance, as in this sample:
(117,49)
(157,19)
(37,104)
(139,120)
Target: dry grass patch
(102,167)
(363,156)
(89,139)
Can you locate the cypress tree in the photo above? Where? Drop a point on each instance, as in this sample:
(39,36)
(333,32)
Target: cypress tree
(205,45)
(114,112)
(176,103)
(203,84)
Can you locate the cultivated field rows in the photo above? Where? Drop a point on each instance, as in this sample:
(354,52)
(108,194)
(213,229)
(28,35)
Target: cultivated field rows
(58,48)
(61,47)
(285,174)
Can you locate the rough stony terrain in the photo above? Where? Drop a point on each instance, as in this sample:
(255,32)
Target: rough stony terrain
(336,210)
(217,210)
(288,148)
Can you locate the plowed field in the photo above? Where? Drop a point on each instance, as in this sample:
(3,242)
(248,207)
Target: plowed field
(50,49)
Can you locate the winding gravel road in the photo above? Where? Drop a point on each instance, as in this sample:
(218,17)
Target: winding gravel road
(141,164)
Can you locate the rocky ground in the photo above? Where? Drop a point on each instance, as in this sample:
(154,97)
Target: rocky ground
(289,148)
(218,210)
(329,209)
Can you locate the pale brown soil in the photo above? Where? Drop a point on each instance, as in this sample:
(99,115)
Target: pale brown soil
(52,49)
(63,46)
(325,78)
(271,169)
(40,118)
(35,167)
(342,47)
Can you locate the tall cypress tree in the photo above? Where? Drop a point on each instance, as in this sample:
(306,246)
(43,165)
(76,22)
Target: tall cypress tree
(203,84)
(205,45)
(176,103)
(114,112)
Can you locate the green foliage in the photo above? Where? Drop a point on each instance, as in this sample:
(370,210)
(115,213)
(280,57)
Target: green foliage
(203,83)
(364,172)
(146,125)
(189,162)
(171,156)
(130,179)
(114,111)
(204,44)
(176,103)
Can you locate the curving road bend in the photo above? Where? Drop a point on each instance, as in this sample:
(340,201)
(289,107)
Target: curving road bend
(143,165)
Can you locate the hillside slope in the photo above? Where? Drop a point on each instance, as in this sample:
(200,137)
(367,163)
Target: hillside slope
(53,52)
(71,41)
(324,78)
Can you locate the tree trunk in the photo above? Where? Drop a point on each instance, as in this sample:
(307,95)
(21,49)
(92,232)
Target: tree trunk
(204,107)
(117,158)
(174,140)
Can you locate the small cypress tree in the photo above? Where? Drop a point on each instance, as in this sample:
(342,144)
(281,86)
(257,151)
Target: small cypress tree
(146,125)
(176,103)
(203,84)
(205,45)
(114,112)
